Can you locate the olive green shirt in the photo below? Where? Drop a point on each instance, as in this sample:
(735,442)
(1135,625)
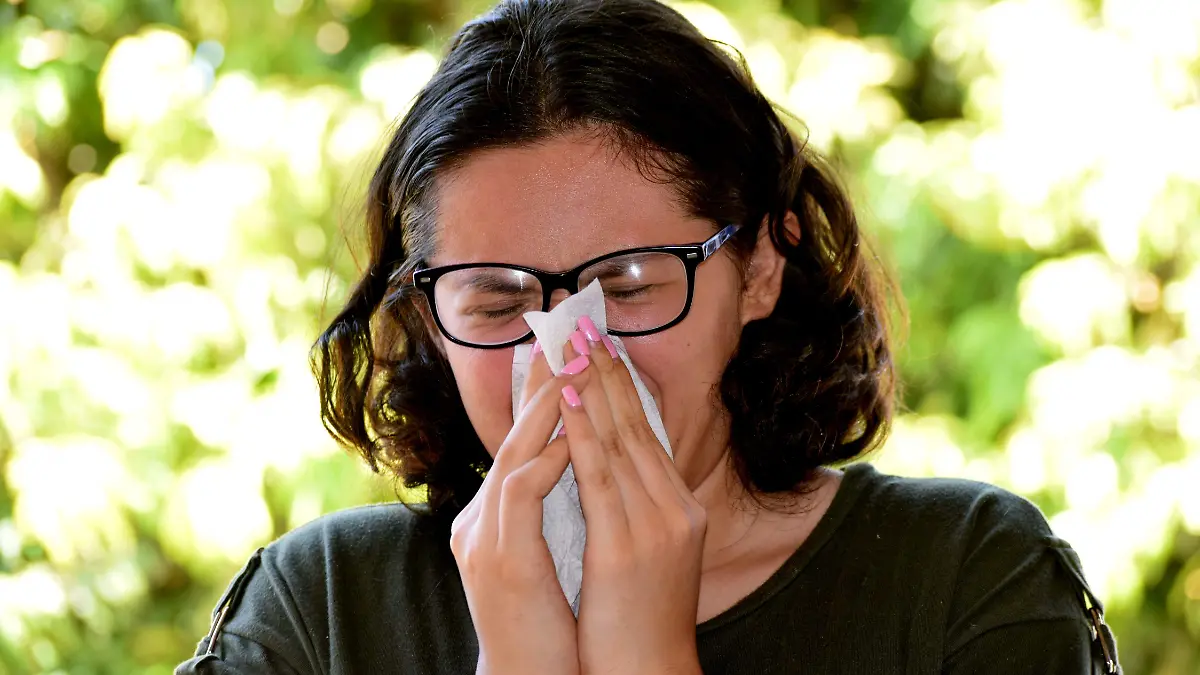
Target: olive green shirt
(901,575)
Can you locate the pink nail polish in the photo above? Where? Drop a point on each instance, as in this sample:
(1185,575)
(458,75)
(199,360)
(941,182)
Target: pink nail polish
(571,396)
(579,343)
(537,349)
(576,366)
(608,344)
(589,328)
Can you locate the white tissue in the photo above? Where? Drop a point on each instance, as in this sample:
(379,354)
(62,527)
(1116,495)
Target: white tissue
(562,517)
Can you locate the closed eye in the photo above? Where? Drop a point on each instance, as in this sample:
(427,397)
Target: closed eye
(628,292)
(501,313)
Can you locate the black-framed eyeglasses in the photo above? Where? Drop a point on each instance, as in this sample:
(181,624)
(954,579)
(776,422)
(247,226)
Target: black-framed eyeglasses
(646,290)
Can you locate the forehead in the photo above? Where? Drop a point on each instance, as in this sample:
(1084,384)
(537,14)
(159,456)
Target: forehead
(554,204)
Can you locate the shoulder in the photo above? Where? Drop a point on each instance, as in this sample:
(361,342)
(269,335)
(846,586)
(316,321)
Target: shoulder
(347,574)
(967,510)
(355,558)
(375,532)
(987,555)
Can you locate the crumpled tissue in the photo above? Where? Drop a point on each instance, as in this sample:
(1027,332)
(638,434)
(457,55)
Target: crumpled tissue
(562,516)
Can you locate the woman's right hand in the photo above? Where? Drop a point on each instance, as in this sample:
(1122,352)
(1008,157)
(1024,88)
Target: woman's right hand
(522,619)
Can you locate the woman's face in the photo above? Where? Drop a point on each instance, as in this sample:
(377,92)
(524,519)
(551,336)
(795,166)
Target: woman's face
(556,204)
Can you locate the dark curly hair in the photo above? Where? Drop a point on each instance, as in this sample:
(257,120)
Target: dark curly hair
(810,385)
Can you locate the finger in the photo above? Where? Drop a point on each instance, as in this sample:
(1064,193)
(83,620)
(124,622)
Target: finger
(631,426)
(539,374)
(576,345)
(626,405)
(528,437)
(530,433)
(520,511)
(598,403)
(626,394)
(629,419)
(635,404)
(605,487)
(676,478)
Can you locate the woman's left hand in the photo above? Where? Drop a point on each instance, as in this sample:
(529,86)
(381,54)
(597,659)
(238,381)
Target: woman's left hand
(645,529)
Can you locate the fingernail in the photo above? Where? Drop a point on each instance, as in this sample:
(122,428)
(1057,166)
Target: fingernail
(589,328)
(612,349)
(576,366)
(537,349)
(579,343)
(562,431)
(571,396)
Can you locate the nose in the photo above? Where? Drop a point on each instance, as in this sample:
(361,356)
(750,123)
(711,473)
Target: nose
(557,296)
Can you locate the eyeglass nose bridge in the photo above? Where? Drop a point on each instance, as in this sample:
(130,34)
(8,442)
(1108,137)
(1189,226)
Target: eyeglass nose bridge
(552,281)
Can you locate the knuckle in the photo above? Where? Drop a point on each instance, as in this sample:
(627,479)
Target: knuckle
(464,550)
(612,445)
(679,526)
(547,391)
(685,523)
(635,430)
(515,483)
(534,395)
(460,528)
(698,517)
(601,359)
(603,480)
(500,462)
(623,372)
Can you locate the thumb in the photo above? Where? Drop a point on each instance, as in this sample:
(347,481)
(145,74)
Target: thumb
(539,374)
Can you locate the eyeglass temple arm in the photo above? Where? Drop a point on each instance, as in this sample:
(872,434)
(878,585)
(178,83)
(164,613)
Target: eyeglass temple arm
(717,240)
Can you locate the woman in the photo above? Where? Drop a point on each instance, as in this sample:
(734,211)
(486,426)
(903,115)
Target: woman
(555,134)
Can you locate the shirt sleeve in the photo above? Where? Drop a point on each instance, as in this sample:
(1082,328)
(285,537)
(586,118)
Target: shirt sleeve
(256,628)
(234,655)
(1016,610)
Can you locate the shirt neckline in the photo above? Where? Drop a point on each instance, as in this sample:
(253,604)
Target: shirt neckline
(854,477)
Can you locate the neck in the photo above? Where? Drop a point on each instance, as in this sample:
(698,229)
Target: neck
(730,512)
(735,519)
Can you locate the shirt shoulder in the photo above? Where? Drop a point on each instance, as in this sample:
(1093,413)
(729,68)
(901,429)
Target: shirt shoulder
(343,589)
(362,537)
(964,512)
(988,555)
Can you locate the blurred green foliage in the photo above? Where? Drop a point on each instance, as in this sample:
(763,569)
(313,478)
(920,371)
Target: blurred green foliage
(176,178)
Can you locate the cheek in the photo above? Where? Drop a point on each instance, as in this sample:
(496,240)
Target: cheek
(484,379)
(682,364)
